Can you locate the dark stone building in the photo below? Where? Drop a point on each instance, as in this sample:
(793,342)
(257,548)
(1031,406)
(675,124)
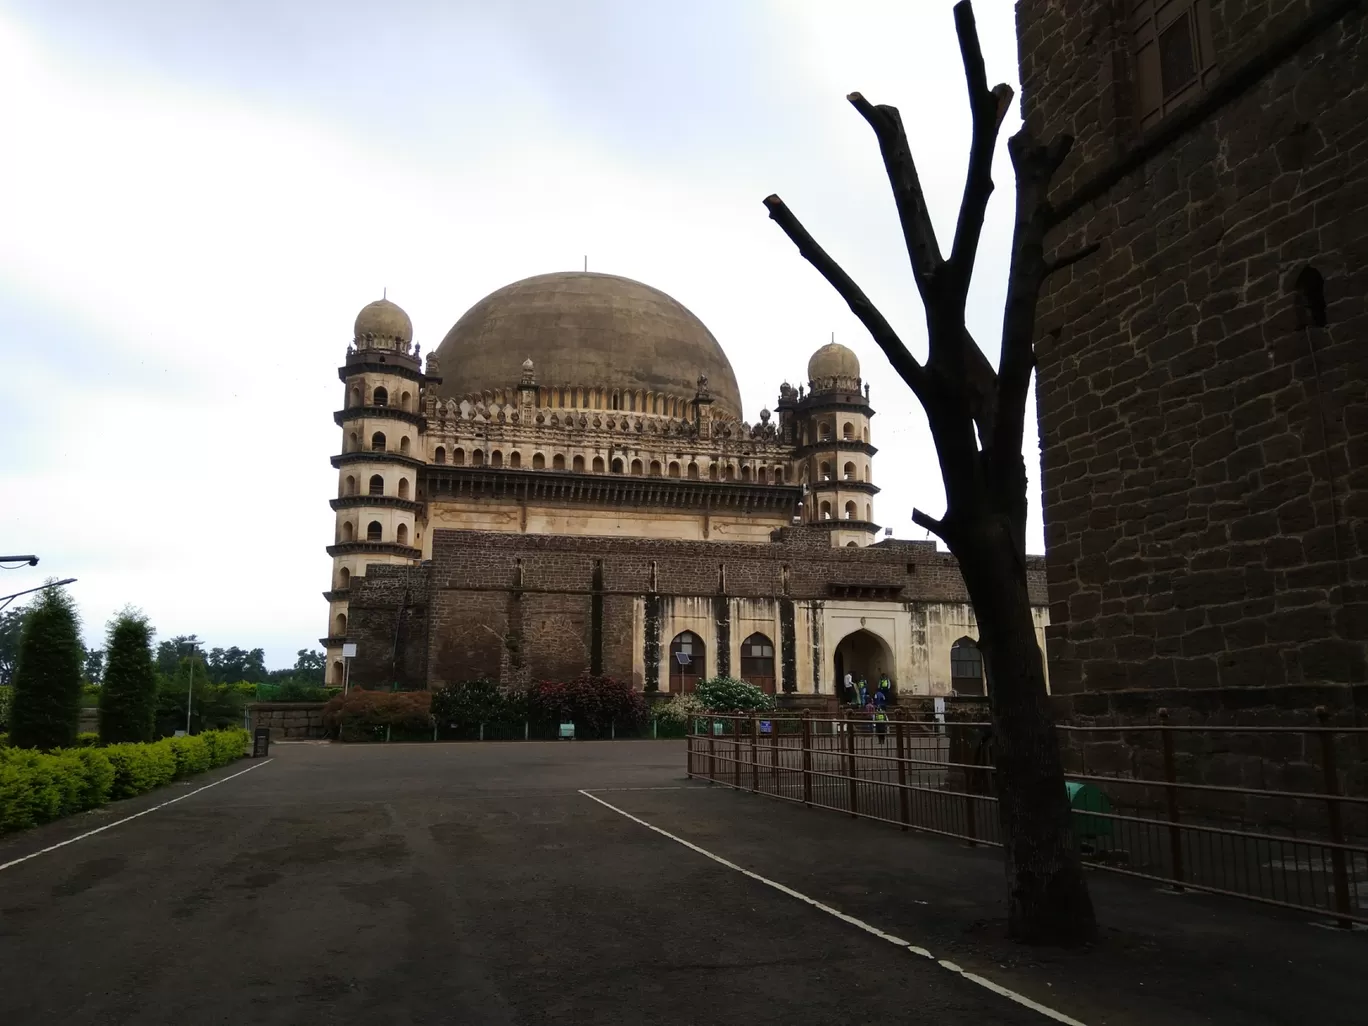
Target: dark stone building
(1203,380)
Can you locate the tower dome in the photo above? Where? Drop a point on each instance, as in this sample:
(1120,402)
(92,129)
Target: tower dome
(383,319)
(833,360)
(586,329)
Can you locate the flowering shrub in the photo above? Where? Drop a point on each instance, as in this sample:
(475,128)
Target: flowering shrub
(470,703)
(728,695)
(591,703)
(358,710)
(684,708)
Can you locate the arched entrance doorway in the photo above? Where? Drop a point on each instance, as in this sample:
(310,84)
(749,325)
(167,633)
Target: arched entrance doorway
(687,662)
(757,662)
(966,668)
(863,654)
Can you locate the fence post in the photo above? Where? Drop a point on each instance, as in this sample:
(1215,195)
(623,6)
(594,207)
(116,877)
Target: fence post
(970,783)
(755,751)
(387,732)
(850,765)
(481,731)
(774,752)
(688,753)
(807,757)
(736,752)
(1337,864)
(1171,800)
(654,735)
(903,809)
(612,730)
(712,752)
(527,729)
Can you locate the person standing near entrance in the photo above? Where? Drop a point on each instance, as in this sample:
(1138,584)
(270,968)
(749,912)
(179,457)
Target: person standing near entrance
(884,684)
(848,689)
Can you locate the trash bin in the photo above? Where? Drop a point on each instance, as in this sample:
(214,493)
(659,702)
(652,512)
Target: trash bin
(1083,799)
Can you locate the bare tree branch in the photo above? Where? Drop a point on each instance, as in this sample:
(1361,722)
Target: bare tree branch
(1061,262)
(988,109)
(903,361)
(918,232)
(936,527)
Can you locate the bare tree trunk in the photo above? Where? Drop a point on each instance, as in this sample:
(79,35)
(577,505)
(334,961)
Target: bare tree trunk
(976,415)
(1048,902)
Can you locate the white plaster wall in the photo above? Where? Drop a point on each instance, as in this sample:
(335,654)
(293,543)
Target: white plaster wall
(687,614)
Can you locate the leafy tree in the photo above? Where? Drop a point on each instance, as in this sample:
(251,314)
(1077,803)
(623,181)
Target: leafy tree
(310,666)
(11,631)
(173,689)
(170,653)
(128,699)
(94,666)
(235,664)
(47,680)
(976,414)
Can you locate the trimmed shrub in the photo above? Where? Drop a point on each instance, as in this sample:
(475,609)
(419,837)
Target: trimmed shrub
(39,786)
(6,700)
(140,767)
(591,703)
(47,678)
(469,703)
(729,695)
(192,754)
(88,739)
(128,697)
(359,711)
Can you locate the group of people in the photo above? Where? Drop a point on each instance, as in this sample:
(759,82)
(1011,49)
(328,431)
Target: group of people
(858,695)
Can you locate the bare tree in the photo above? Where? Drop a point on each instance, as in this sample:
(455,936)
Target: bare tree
(976,415)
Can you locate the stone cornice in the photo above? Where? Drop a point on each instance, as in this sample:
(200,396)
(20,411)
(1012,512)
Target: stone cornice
(381,412)
(834,445)
(842,485)
(444,482)
(360,501)
(867,526)
(376,366)
(373,456)
(374,548)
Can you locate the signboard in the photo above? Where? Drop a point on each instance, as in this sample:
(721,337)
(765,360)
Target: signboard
(261,742)
(349,650)
(567,731)
(940,710)
(764,726)
(717,727)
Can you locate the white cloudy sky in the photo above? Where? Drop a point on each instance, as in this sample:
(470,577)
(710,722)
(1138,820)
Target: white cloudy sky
(198,195)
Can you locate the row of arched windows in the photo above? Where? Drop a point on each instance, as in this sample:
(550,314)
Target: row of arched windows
(378,443)
(850,472)
(379,397)
(688,662)
(375,486)
(638,468)
(604,399)
(826,432)
(851,511)
(375,532)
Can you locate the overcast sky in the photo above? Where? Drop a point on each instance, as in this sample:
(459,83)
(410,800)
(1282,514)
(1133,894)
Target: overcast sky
(198,196)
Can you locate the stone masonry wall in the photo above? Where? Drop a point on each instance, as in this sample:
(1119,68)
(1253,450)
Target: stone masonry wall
(288,719)
(1204,418)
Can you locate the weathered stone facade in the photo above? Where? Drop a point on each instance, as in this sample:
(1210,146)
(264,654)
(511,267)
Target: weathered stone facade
(1202,379)
(531,607)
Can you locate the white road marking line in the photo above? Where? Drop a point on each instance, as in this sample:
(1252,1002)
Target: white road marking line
(1011,995)
(127,819)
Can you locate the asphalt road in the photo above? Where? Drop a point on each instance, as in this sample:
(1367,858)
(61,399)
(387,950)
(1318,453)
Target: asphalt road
(476,884)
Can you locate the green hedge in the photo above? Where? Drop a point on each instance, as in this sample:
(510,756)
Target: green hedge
(36,787)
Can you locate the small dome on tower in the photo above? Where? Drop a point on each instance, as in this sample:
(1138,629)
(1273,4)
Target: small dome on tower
(384,319)
(833,360)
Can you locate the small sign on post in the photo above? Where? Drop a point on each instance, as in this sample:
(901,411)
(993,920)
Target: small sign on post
(567,731)
(940,711)
(261,742)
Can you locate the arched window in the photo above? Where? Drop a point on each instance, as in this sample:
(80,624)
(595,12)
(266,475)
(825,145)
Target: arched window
(674,469)
(458,457)
(616,401)
(477,457)
(404,445)
(824,432)
(338,671)
(826,511)
(515,460)
(496,458)
(851,545)
(729,472)
(636,467)
(848,430)
(440,455)
(693,471)
(866,434)
(655,468)
(351,485)
(405,401)
(577,465)
(850,510)
(867,514)
(378,441)
(712,471)
(354,397)
(403,488)
(353,443)
(380,397)
(617,465)
(538,461)
(824,472)
(401,534)
(762,475)
(377,485)
(343,579)
(348,532)
(373,531)
(757,662)
(688,664)
(966,668)
(598,465)
(781,475)
(848,472)
(340,625)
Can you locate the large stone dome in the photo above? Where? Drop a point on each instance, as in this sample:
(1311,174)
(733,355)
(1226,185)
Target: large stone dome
(383,319)
(586,329)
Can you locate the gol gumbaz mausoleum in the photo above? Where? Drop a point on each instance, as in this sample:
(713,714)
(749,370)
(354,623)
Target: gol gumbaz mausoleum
(569,485)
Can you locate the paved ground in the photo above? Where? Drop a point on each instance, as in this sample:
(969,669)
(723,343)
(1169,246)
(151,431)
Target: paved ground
(475,884)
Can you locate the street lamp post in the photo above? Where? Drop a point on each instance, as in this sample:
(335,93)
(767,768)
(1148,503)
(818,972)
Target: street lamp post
(190,693)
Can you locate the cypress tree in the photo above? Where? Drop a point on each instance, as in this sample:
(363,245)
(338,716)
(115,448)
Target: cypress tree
(128,696)
(47,680)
